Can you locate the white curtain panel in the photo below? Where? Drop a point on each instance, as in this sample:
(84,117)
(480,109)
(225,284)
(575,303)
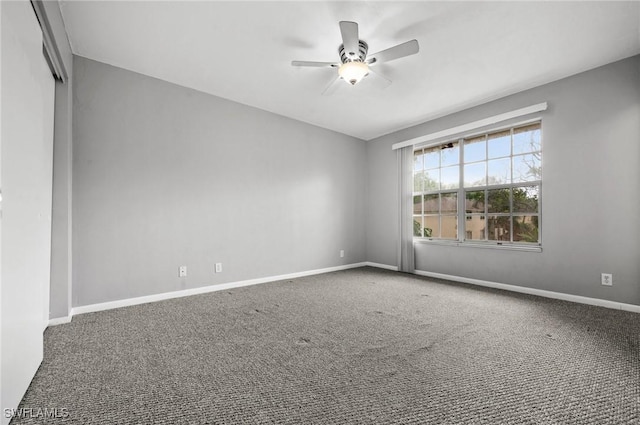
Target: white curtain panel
(405,209)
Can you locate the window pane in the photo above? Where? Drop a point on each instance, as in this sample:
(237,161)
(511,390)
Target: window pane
(526,139)
(417,204)
(499,171)
(527,168)
(475,149)
(450,177)
(499,228)
(525,199)
(418,160)
(417,226)
(449,228)
(432,158)
(418,178)
(424,181)
(475,174)
(450,154)
(475,201)
(499,144)
(431,180)
(525,229)
(449,203)
(432,226)
(475,227)
(498,200)
(431,204)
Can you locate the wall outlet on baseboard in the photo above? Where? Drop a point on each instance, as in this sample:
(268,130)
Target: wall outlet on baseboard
(342,253)
(182,271)
(218,267)
(607,279)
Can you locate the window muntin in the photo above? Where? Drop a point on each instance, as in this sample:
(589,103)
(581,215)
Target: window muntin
(488,185)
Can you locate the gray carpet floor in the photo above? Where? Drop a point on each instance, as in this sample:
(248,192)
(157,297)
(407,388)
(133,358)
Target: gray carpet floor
(362,346)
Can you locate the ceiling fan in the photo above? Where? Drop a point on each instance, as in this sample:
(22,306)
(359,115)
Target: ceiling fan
(354,63)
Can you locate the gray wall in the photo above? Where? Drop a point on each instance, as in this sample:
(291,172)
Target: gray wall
(590,202)
(165,176)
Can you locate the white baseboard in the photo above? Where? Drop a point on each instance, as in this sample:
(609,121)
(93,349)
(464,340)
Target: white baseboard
(59,320)
(532,291)
(381,266)
(91,308)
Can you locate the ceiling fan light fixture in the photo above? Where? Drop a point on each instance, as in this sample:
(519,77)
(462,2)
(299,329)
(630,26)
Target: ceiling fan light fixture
(354,62)
(353,71)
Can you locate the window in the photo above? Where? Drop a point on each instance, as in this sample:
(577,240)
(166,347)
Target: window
(484,188)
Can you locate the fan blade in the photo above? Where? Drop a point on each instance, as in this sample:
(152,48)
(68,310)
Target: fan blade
(315,64)
(331,88)
(350,40)
(396,52)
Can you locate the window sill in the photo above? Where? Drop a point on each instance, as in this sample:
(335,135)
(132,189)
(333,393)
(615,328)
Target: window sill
(508,247)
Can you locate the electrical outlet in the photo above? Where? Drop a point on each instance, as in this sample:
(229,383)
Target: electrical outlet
(607,279)
(341,253)
(218,267)
(182,271)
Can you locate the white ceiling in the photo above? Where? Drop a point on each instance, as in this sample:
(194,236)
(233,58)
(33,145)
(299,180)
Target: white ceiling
(470,52)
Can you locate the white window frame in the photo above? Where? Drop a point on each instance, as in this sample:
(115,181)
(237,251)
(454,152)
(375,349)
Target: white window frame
(461,194)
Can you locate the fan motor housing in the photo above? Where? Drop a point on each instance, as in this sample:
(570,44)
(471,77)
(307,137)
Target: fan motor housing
(360,55)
